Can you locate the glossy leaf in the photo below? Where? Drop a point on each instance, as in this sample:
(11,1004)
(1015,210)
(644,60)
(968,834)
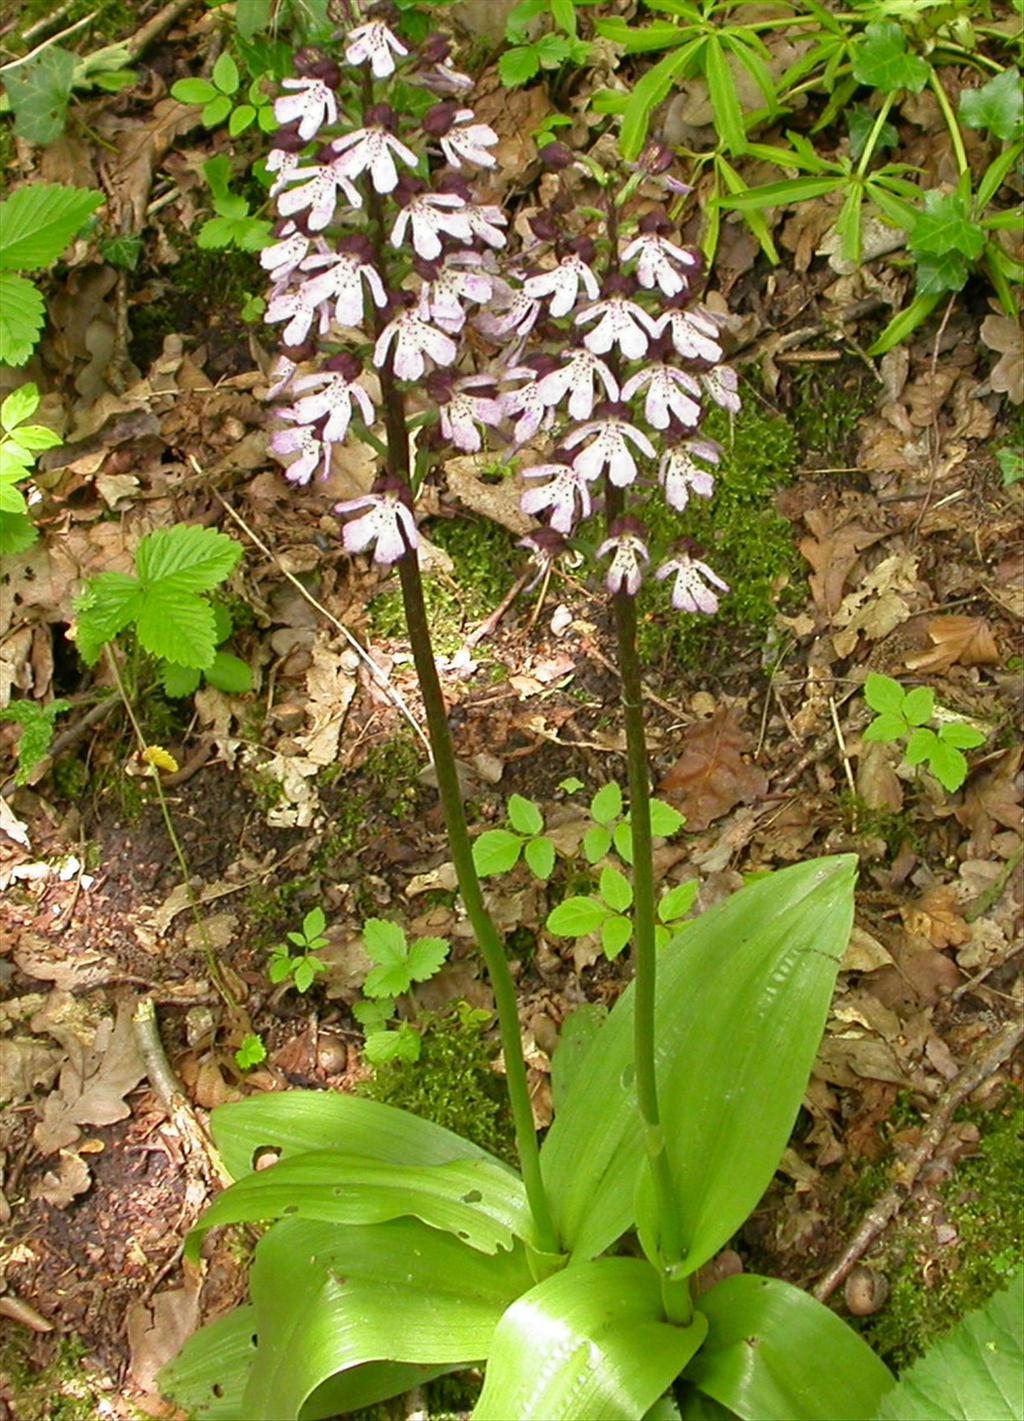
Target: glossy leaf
(773,1350)
(578,1029)
(331,1297)
(208,1376)
(741,1002)
(479,1202)
(589,1342)
(247,1131)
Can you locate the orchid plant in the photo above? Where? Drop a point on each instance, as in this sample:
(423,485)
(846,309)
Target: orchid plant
(398,1250)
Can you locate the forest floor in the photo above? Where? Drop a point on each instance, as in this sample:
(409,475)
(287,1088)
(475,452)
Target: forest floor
(870,528)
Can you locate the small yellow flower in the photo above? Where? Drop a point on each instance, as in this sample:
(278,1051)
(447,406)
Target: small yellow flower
(160,758)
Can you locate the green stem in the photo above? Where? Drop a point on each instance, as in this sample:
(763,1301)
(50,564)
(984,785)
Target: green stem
(469,886)
(875,134)
(956,137)
(676,1297)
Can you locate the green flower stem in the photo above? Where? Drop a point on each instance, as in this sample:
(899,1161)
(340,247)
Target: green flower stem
(675,1295)
(469,886)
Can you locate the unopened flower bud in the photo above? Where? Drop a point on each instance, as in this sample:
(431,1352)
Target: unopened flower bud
(438,120)
(346,364)
(454,183)
(655,221)
(556,157)
(657,158)
(544,227)
(435,49)
(288,139)
(382,116)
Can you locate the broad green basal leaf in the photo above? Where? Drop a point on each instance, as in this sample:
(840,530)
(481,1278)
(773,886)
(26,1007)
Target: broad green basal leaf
(741,1003)
(331,1297)
(773,1350)
(590,1343)
(249,1131)
(479,1202)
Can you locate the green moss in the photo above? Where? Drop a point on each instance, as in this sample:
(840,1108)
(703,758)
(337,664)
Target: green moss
(932,1287)
(452,1083)
(202,298)
(895,826)
(829,403)
(58,1391)
(112,20)
(482,554)
(746,540)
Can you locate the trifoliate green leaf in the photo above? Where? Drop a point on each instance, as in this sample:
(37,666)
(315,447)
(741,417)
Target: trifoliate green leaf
(919,705)
(576,917)
(616,931)
(962,735)
(109,603)
(193,91)
(606,805)
(385,944)
(426,957)
(921,746)
(947,764)
(524,815)
(401,1045)
(33,438)
(997,106)
(12,500)
(38,222)
(39,91)
(882,693)
(496,851)
(176,625)
(22,315)
(888,726)
(540,857)
(882,60)
(615,889)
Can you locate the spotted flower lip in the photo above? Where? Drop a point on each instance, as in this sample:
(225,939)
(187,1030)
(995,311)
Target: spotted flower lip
(464,411)
(622,322)
(339,279)
(534,414)
(693,590)
(669,392)
(371,150)
(388,524)
(312,104)
(300,307)
(456,281)
(286,255)
(374,43)
(609,447)
(658,261)
(565,494)
(723,387)
(577,377)
(562,285)
(694,333)
(628,551)
(413,338)
(680,474)
(315,192)
(462,139)
(302,440)
(330,397)
(430,215)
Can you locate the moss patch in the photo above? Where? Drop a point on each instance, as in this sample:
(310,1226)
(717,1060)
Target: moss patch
(57,1391)
(829,404)
(452,1083)
(933,1286)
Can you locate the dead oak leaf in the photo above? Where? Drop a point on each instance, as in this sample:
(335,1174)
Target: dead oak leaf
(936,918)
(94,1080)
(713,772)
(964,641)
(1003,334)
(832,552)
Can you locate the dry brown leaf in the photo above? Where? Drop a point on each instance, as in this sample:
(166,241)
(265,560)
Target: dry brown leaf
(1003,334)
(879,605)
(95,1078)
(832,552)
(713,772)
(964,641)
(935,917)
(990,798)
(60,1186)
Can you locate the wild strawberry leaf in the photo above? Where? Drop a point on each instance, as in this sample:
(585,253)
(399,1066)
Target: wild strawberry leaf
(426,956)
(22,316)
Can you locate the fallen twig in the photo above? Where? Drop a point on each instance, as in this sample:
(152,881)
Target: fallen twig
(885,1209)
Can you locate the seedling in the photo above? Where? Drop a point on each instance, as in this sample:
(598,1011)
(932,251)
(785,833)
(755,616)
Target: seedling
(612,828)
(301,966)
(608,912)
(498,850)
(398,966)
(19,445)
(218,97)
(252,1052)
(167,605)
(234,225)
(905,715)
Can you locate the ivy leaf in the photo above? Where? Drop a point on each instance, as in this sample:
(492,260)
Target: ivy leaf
(39,91)
(615,889)
(22,316)
(882,693)
(496,851)
(944,225)
(38,222)
(937,275)
(540,857)
(882,61)
(997,106)
(524,815)
(576,917)
(426,956)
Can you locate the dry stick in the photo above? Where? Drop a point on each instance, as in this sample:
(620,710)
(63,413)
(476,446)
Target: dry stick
(877,1218)
(54,39)
(154,28)
(357,646)
(47,22)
